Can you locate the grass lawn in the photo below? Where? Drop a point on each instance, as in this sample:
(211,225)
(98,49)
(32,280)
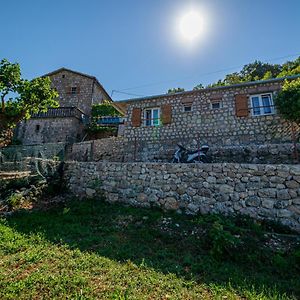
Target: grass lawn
(94,250)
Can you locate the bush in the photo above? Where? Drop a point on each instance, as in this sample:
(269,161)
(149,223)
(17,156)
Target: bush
(223,242)
(14,200)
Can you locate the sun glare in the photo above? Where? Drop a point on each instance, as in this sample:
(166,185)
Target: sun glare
(191,25)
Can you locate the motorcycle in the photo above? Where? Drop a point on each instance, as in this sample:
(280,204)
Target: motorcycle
(182,155)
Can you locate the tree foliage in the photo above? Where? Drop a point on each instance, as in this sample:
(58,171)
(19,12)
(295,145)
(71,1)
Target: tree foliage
(259,70)
(287,101)
(20,98)
(200,86)
(175,90)
(104,109)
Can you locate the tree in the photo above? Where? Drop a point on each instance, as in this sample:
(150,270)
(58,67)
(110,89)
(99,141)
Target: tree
(287,103)
(175,90)
(259,70)
(26,97)
(200,86)
(104,109)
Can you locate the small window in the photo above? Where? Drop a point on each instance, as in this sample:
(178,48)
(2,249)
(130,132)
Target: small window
(216,104)
(262,105)
(187,108)
(63,76)
(37,128)
(152,117)
(73,90)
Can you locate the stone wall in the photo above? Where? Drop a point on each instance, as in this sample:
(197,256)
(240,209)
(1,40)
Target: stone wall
(88,90)
(45,151)
(109,149)
(50,130)
(117,149)
(41,129)
(205,125)
(261,191)
(162,151)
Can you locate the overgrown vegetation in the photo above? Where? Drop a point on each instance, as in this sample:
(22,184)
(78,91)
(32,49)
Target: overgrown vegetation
(287,102)
(29,190)
(20,98)
(104,109)
(259,70)
(175,90)
(256,70)
(90,249)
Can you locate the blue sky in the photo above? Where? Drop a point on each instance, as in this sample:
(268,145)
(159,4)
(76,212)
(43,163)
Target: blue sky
(134,45)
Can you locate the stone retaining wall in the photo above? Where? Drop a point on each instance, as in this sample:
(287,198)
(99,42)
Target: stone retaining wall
(118,149)
(261,191)
(44,151)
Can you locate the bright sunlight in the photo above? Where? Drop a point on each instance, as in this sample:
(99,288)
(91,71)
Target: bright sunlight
(191,25)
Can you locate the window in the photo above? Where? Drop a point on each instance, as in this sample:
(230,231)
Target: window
(37,128)
(63,75)
(262,105)
(216,105)
(152,117)
(187,108)
(73,90)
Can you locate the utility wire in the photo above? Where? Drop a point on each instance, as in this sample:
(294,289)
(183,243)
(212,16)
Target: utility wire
(201,75)
(120,92)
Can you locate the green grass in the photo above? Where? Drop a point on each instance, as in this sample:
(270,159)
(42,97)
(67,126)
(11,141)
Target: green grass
(94,250)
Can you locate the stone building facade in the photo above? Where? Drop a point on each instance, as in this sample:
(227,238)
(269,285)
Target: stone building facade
(227,116)
(77,93)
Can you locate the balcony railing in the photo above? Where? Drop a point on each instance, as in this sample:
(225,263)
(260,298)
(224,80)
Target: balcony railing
(110,121)
(60,112)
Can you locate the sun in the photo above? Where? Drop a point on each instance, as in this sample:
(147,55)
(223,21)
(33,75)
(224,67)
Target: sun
(191,26)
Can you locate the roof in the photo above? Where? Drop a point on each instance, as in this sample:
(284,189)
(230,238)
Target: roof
(250,83)
(81,74)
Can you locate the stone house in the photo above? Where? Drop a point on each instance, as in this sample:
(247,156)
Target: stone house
(225,116)
(77,93)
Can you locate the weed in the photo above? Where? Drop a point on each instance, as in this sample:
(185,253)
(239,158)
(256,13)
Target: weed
(14,200)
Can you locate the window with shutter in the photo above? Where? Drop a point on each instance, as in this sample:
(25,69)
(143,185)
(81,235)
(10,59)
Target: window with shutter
(152,116)
(136,117)
(241,105)
(262,104)
(166,114)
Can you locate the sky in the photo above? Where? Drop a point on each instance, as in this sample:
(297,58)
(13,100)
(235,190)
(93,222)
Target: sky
(136,47)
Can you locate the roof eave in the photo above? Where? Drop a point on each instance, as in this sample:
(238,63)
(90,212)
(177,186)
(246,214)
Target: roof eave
(250,83)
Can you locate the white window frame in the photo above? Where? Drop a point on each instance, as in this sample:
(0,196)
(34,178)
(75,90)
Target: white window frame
(152,109)
(261,106)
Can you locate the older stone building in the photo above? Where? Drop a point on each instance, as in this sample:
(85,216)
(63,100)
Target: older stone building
(241,114)
(77,93)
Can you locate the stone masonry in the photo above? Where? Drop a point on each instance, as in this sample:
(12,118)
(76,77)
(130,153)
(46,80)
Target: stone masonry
(203,124)
(261,191)
(77,93)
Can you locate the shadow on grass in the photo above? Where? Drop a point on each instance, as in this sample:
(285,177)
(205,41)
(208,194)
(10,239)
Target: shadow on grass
(210,249)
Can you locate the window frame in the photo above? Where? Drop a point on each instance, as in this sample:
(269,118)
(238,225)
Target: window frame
(75,91)
(261,107)
(216,102)
(152,119)
(190,106)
